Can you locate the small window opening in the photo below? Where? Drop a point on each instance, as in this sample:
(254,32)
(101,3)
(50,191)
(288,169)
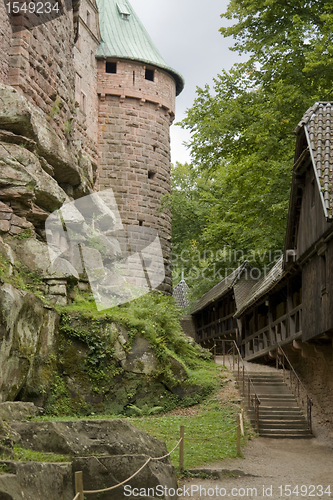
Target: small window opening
(88,19)
(149,75)
(83,102)
(151,175)
(133,77)
(77,83)
(140,222)
(111,67)
(154,148)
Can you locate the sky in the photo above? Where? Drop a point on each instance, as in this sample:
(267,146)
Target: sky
(186,32)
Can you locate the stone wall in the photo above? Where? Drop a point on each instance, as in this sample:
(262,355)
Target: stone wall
(134,120)
(86,99)
(5,36)
(314,365)
(130,81)
(42,63)
(41,67)
(135,162)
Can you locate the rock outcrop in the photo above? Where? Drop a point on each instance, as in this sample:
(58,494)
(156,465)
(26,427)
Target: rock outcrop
(106,451)
(34,481)
(27,336)
(59,239)
(88,437)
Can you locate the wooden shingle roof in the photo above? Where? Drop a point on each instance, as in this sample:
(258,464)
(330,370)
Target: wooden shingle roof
(237,280)
(263,286)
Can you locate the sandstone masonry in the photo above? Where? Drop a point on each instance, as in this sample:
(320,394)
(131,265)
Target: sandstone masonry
(109,108)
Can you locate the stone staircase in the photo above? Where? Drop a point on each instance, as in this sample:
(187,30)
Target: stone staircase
(279,414)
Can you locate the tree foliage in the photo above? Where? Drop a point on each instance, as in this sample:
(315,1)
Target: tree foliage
(242,141)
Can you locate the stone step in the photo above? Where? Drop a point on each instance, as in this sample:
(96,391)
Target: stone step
(281,417)
(278,424)
(279,413)
(283,434)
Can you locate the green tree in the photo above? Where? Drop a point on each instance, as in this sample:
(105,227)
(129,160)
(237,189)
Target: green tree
(189,211)
(242,138)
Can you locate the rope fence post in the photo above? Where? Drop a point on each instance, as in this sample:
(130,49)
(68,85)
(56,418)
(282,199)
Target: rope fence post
(181,448)
(238,434)
(241,421)
(79,485)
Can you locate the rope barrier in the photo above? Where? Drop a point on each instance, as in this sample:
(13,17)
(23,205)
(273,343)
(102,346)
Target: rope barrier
(168,454)
(133,475)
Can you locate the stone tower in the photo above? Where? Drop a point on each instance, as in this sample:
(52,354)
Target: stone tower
(137,92)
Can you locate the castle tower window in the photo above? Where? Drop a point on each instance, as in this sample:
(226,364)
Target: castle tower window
(151,175)
(111,67)
(83,105)
(123,10)
(149,74)
(88,18)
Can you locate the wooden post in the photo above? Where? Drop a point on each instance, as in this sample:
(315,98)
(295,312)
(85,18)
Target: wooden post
(79,484)
(181,449)
(241,422)
(214,350)
(223,348)
(238,435)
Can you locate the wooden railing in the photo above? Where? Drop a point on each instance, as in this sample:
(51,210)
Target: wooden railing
(295,384)
(284,329)
(245,383)
(222,326)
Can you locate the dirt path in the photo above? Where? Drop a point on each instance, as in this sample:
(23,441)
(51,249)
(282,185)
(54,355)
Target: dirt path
(272,469)
(272,463)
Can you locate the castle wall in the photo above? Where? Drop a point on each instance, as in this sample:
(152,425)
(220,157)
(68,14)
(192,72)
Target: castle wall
(135,146)
(41,67)
(135,163)
(86,99)
(42,63)
(5,37)
(130,81)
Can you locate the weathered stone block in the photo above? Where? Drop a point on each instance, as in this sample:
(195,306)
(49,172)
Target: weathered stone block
(57,290)
(4,226)
(19,116)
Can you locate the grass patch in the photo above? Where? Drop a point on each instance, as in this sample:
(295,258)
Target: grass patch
(27,455)
(4,469)
(212,422)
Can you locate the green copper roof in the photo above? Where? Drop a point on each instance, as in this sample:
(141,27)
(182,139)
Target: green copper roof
(124,36)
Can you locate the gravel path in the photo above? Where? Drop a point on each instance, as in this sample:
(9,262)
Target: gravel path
(273,464)
(268,467)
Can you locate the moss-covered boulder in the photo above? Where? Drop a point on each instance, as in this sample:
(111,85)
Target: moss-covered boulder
(27,339)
